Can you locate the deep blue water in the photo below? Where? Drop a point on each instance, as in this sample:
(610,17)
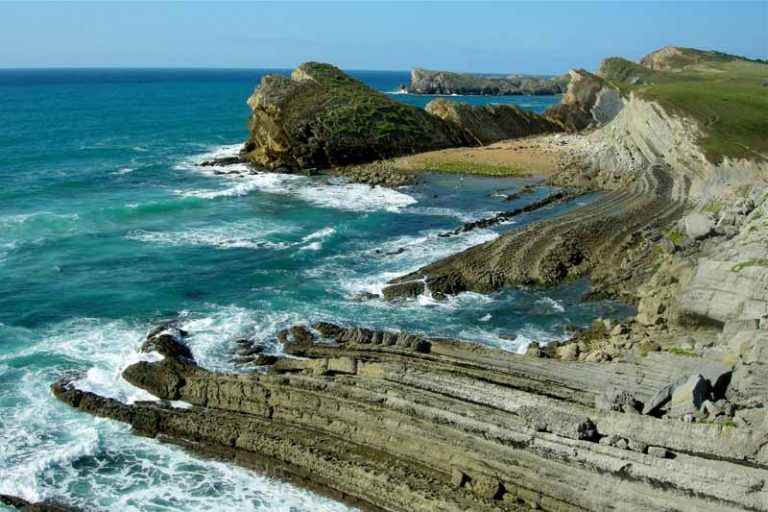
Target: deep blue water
(108,226)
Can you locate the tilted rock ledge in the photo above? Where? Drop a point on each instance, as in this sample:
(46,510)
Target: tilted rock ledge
(391,421)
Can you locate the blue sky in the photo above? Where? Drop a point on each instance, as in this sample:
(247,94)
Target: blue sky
(540,37)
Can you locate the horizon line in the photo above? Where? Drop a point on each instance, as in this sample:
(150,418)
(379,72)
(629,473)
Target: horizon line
(187,68)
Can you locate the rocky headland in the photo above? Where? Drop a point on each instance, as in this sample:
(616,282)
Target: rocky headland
(424,81)
(666,410)
(321,118)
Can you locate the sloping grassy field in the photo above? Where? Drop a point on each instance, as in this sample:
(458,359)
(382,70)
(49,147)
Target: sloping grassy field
(728,99)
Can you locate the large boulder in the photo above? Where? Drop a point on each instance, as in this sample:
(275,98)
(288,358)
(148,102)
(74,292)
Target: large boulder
(697,225)
(687,397)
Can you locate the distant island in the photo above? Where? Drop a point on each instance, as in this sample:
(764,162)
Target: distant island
(424,81)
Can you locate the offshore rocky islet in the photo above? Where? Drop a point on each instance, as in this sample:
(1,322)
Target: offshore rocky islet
(392,421)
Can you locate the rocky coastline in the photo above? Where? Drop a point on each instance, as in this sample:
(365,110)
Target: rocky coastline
(663,411)
(424,81)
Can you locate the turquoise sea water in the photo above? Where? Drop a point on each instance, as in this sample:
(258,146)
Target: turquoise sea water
(107,226)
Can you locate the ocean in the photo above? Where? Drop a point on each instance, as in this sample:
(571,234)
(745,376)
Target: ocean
(108,226)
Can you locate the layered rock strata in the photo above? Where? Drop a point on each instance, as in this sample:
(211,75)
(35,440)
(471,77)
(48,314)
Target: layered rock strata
(391,421)
(491,123)
(592,239)
(588,102)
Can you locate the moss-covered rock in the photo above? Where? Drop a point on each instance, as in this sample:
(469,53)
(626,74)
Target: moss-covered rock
(321,117)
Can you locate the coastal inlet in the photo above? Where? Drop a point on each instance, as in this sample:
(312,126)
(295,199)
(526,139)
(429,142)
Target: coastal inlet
(116,227)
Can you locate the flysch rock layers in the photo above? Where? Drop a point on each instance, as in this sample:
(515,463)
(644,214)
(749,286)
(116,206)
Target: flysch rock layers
(391,421)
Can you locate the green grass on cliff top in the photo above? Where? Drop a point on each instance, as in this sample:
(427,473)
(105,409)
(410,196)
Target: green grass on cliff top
(346,109)
(729,101)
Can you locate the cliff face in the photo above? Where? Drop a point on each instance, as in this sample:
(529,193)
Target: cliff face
(492,123)
(445,82)
(320,117)
(587,102)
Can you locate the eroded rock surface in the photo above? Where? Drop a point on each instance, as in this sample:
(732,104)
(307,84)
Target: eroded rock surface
(445,82)
(320,117)
(592,239)
(392,421)
(588,102)
(490,123)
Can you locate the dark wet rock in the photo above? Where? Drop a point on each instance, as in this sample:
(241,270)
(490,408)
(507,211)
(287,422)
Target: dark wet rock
(168,340)
(326,329)
(365,297)
(223,161)
(265,359)
(251,350)
(242,360)
(301,334)
(27,506)
(555,197)
(528,188)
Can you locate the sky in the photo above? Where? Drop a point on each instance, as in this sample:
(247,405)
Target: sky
(509,37)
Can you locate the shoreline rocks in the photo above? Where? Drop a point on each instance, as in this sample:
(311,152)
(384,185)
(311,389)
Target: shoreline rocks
(395,421)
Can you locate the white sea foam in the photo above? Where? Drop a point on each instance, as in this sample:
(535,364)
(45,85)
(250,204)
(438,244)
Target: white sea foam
(556,306)
(335,193)
(517,342)
(231,235)
(49,451)
(214,331)
(7,221)
(408,253)
(323,233)
(485,318)
(124,170)
(316,239)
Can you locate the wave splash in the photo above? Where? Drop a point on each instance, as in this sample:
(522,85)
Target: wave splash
(324,192)
(49,452)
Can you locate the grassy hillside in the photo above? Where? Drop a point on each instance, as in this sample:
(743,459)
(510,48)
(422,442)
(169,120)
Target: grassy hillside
(726,95)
